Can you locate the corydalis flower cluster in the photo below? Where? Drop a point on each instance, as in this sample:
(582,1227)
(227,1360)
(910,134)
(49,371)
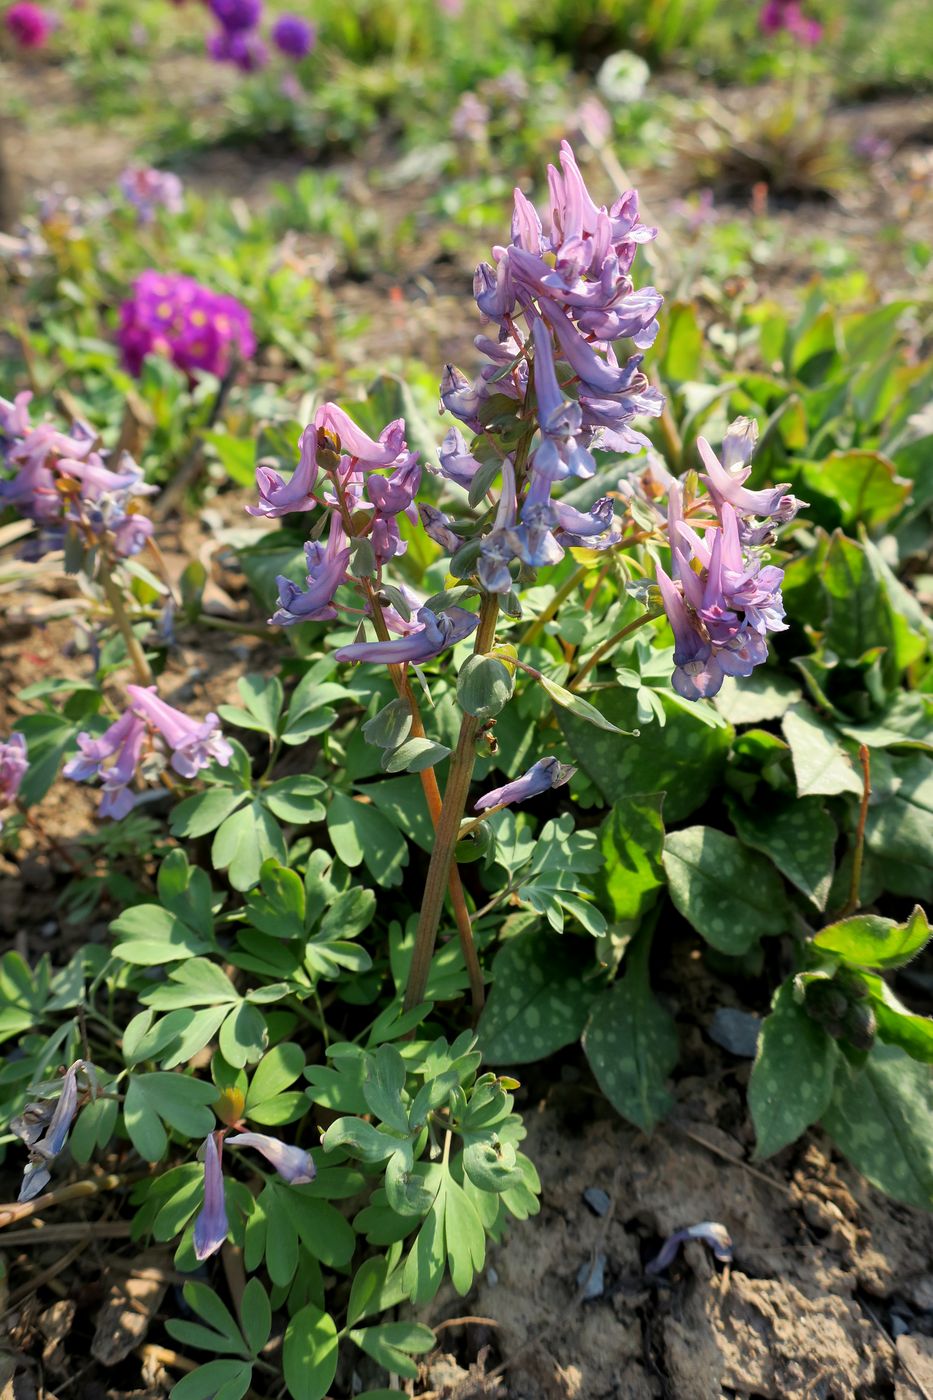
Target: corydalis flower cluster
(67,487)
(720,598)
(193,326)
(365,486)
(560,300)
(148,734)
(293,1164)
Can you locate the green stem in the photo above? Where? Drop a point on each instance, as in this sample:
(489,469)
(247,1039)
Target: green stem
(120,616)
(447,832)
(610,645)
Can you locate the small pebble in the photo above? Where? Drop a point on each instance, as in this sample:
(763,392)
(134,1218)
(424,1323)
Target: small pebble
(597,1199)
(593,1282)
(736,1031)
(49,928)
(899,1325)
(492,1278)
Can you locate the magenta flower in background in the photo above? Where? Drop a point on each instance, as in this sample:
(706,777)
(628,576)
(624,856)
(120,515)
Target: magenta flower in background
(776,16)
(29,25)
(193,326)
(148,189)
(293,36)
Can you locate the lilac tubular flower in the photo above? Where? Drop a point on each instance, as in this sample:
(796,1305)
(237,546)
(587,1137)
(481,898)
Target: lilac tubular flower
(194,743)
(595,529)
(697,673)
(391,495)
(498,548)
(726,488)
(44,1149)
(457,463)
(533,541)
(14,417)
(359,445)
(714,1235)
(541,776)
(560,419)
(14,764)
(122,743)
(460,397)
(436,633)
(594,373)
(327,567)
(279,497)
(210,1227)
(293,1164)
(436,526)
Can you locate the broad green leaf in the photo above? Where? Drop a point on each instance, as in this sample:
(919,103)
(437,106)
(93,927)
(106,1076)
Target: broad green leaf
(821,764)
(726,892)
(198,815)
(361,1138)
(631,1042)
(864,486)
(538,1002)
(900,830)
(275,1072)
(309,1353)
(256,1315)
(244,1035)
(390,726)
(296,799)
(764,695)
(244,841)
(896,1025)
(484,686)
(384,1088)
(800,838)
(631,840)
(262,696)
(414,755)
(684,759)
(146,1132)
(868,940)
(390,1344)
(882,1119)
(792,1077)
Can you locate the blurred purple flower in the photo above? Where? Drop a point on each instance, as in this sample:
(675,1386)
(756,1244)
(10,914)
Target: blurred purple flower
(148,189)
(14,764)
(237,15)
(714,1235)
(293,36)
(777,15)
(541,776)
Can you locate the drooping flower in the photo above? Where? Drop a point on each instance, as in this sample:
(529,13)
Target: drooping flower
(211,1225)
(195,744)
(547,773)
(45,1130)
(14,764)
(193,326)
(714,1235)
(435,633)
(353,442)
(293,1164)
(457,462)
(148,189)
(113,757)
(327,567)
(30,25)
(280,497)
(293,36)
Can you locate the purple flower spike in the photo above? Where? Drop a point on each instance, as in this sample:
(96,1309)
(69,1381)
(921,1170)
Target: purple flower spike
(293,1164)
(436,633)
(560,418)
(14,764)
(280,497)
(713,1234)
(293,36)
(210,1228)
(697,673)
(194,743)
(547,773)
